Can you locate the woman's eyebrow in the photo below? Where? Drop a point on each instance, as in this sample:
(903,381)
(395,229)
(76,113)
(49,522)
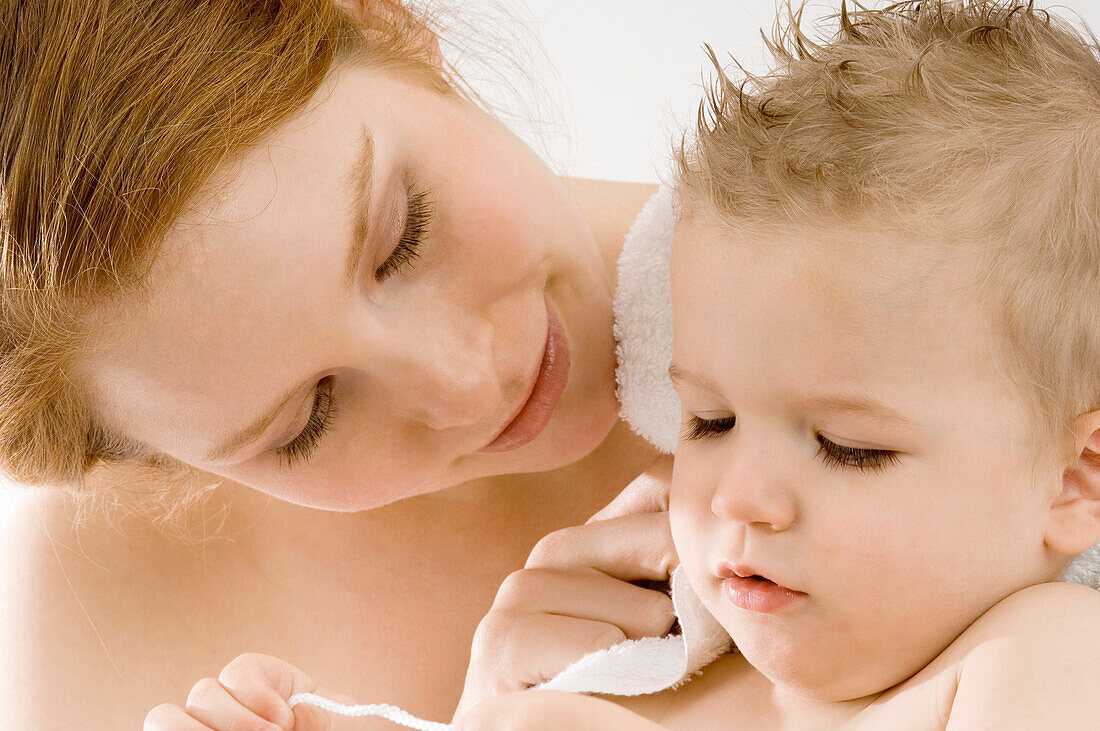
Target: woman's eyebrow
(241,439)
(357,185)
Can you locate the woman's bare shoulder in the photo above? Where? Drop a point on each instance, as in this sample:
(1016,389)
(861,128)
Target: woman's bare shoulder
(84,631)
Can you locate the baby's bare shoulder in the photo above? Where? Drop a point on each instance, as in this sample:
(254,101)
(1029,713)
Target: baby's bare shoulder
(1031,661)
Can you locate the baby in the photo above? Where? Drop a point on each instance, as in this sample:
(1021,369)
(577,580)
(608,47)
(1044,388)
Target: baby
(886,304)
(886,296)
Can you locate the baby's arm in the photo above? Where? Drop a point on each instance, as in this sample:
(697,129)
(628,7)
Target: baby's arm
(1032,662)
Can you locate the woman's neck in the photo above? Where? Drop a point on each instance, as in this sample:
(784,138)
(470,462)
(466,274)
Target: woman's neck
(609,208)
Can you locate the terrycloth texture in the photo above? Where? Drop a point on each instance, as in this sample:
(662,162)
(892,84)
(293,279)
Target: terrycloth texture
(652,664)
(643,325)
(1084,568)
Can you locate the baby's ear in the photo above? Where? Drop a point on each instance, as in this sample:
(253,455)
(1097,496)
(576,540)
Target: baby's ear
(1075,514)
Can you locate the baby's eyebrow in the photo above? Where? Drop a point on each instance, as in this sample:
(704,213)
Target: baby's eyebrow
(851,403)
(680,375)
(858,404)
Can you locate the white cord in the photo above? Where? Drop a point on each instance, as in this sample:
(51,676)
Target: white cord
(382,710)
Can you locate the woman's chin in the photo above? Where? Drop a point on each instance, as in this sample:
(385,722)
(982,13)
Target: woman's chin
(570,436)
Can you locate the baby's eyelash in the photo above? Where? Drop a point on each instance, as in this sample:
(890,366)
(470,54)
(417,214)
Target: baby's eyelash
(417,219)
(320,422)
(862,460)
(697,428)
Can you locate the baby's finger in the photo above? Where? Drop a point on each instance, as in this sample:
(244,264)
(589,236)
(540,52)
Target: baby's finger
(648,493)
(630,547)
(167,717)
(262,684)
(596,596)
(212,704)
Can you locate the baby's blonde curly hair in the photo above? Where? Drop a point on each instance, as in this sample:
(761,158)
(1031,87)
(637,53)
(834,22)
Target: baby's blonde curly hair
(976,123)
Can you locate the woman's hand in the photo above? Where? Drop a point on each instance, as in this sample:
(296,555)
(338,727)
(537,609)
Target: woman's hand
(575,597)
(251,693)
(548,710)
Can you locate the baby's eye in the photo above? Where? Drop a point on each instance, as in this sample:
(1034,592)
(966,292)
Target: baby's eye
(696,428)
(862,460)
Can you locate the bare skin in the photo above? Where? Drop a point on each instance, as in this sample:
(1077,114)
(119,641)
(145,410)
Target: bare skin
(380,605)
(1014,667)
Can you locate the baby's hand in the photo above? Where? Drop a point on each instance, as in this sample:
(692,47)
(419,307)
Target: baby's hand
(251,692)
(575,597)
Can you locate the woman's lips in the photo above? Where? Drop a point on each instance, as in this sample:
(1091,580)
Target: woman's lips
(546,391)
(756,593)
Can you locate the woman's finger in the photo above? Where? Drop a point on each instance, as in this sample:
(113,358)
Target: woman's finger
(527,649)
(630,547)
(212,704)
(637,612)
(167,717)
(522,651)
(262,684)
(647,493)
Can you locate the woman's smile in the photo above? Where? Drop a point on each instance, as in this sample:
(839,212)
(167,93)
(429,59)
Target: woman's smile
(549,383)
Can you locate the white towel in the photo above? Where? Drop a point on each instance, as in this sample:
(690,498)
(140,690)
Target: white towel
(643,325)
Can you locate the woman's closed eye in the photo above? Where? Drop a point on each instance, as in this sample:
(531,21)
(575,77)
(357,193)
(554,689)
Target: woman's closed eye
(858,458)
(302,447)
(418,217)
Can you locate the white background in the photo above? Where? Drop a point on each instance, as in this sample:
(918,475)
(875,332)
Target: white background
(628,71)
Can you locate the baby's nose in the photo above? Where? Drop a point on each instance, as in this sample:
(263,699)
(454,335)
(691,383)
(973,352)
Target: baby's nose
(749,493)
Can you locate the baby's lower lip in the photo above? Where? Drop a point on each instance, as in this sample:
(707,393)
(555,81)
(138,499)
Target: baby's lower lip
(757,594)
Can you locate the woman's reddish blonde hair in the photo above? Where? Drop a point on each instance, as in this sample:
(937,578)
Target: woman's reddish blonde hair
(114,115)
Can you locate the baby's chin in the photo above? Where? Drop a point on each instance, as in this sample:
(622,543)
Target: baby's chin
(814,672)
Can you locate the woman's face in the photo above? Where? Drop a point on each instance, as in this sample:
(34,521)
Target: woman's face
(274,350)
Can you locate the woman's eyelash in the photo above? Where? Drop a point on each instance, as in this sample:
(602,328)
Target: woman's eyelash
(697,428)
(417,218)
(320,422)
(862,460)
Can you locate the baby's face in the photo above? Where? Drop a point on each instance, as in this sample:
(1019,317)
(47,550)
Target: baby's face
(850,435)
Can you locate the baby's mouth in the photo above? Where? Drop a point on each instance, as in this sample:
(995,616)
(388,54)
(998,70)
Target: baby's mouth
(755,592)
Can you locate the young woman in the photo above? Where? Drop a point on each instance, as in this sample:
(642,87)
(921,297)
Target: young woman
(271,279)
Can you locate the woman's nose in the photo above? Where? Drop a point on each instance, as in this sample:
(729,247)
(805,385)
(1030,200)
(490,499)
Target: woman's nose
(751,490)
(451,377)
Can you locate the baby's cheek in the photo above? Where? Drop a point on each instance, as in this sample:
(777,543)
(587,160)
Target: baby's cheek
(688,513)
(840,549)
